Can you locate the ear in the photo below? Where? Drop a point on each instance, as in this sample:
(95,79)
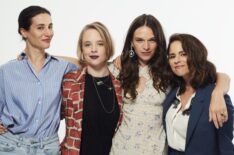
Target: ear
(24,33)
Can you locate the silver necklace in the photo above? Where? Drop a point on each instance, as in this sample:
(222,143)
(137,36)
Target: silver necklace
(100,99)
(100,82)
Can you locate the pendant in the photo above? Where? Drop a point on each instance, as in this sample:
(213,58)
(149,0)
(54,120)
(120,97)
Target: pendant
(99,83)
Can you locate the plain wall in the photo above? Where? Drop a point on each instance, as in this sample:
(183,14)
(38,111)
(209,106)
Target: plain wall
(212,21)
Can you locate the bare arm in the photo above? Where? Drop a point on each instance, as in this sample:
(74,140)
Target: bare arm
(70,59)
(117,62)
(218,110)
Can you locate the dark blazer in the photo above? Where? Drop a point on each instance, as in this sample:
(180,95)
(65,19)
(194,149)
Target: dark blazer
(202,136)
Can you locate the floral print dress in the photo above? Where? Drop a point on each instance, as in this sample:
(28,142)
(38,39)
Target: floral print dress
(141,131)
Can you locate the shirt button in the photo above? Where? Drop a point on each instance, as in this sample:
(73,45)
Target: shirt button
(39,102)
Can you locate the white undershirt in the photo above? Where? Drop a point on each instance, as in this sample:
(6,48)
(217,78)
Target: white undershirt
(176,125)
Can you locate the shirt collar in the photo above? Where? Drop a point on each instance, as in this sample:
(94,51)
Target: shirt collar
(23,56)
(189,101)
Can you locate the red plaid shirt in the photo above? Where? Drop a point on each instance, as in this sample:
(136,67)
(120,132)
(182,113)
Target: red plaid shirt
(72,109)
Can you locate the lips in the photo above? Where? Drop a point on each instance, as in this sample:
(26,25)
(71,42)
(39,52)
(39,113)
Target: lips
(179,66)
(93,56)
(146,53)
(46,40)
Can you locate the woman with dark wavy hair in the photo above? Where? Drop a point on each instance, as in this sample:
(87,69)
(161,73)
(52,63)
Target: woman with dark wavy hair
(145,83)
(186,108)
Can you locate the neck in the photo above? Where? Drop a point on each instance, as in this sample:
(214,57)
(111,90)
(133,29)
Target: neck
(189,89)
(35,56)
(98,72)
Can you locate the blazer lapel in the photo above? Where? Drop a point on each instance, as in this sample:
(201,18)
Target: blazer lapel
(196,110)
(168,101)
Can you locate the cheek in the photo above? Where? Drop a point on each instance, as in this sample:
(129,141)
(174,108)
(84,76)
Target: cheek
(171,64)
(154,47)
(136,48)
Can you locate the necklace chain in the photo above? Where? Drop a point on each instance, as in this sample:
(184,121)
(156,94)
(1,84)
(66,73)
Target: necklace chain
(100,99)
(102,82)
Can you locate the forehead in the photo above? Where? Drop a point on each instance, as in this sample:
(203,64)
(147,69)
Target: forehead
(42,18)
(91,34)
(143,32)
(175,46)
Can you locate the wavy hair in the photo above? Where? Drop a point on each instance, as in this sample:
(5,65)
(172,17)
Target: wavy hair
(129,74)
(202,71)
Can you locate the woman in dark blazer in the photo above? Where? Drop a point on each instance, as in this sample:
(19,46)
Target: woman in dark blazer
(186,108)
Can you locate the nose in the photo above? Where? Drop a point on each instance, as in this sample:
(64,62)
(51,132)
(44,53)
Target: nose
(146,45)
(49,32)
(94,49)
(177,59)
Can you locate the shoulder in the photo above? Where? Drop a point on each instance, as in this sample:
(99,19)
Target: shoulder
(206,90)
(10,64)
(73,75)
(114,71)
(77,76)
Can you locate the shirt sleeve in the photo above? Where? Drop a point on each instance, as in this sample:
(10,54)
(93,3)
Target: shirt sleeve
(2,93)
(71,67)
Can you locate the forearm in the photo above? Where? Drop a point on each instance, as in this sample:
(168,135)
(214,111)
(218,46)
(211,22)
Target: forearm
(222,83)
(70,59)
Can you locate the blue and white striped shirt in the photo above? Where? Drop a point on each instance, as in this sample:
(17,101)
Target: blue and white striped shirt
(30,102)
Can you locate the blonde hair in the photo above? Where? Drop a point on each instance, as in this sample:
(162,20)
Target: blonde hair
(105,35)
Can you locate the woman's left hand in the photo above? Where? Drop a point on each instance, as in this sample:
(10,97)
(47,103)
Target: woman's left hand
(218,110)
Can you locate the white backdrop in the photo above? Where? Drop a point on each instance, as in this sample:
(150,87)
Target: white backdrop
(212,21)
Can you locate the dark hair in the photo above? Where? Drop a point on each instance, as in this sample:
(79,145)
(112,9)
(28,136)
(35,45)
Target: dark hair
(26,15)
(202,71)
(130,66)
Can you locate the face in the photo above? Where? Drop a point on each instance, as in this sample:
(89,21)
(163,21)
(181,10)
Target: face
(40,33)
(178,60)
(93,49)
(144,44)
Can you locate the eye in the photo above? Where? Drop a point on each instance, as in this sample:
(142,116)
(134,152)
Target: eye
(51,27)
(171,56)
(139,40)
(152,40)
(184,54)
(87,44)
(100,43)
(40,28)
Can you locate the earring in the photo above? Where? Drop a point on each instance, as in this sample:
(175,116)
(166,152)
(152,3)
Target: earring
(131,52)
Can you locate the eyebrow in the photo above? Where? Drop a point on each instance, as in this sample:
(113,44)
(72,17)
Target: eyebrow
(51,24)
(144,39)
(179,52)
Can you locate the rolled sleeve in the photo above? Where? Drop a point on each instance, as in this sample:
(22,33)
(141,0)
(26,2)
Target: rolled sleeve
(71,67)
(2,93)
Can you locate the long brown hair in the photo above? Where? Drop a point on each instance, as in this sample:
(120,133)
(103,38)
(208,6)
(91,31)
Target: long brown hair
(202,71)
(130,66)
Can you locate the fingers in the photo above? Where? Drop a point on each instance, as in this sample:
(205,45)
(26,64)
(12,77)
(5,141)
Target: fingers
(215,120)
(225,115)
(2,129)
(220,119)
(210,116)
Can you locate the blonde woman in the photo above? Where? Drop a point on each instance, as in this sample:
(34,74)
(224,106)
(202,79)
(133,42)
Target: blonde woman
(92,101)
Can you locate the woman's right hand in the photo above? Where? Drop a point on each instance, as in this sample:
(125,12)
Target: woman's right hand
(117,62)
(2,129)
